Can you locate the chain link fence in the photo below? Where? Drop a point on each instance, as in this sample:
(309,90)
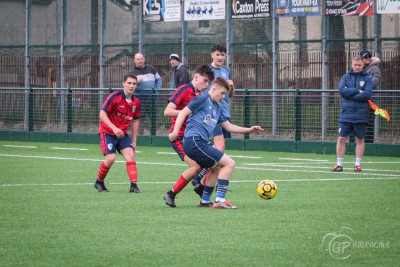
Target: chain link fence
(284,114)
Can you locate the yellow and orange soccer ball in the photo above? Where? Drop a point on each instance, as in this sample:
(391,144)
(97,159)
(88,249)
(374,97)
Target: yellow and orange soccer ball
(267,189)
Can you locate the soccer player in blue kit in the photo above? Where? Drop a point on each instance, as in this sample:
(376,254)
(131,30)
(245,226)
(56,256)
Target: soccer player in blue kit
(218,55)
(205,113)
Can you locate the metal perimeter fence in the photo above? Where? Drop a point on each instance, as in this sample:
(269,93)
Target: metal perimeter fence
(298,115)
(90,44)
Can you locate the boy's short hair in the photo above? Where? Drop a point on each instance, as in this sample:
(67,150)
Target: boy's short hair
(205,70)
(221,82)
(129,76)
(219,48)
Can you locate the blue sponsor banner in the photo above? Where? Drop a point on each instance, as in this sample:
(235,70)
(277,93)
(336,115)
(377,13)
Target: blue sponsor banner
(297,8)
(250,9)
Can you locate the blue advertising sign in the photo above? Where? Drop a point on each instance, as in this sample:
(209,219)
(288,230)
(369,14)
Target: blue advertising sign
(297,8)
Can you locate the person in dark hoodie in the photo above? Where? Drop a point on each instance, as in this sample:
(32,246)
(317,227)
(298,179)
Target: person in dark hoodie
(355,88)
(371,67)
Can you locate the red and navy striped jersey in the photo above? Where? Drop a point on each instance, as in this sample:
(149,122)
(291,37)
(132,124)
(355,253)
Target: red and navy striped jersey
(120,112)
(181,98)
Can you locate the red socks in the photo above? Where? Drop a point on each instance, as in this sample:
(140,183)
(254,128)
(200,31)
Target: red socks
(179,185)
(132,171)
(103,170)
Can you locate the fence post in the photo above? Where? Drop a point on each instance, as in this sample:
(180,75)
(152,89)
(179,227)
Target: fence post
(298,113)
(69,110)
(246,111)
(31,105)
(153,117)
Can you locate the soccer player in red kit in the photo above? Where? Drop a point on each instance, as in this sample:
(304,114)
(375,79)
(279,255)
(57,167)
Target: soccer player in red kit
(119,111)
(182,96)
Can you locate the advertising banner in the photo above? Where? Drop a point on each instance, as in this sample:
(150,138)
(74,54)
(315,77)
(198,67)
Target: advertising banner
(204,9)
(388,6)
(161,10)
(349,8)
(297,8)
(250,9)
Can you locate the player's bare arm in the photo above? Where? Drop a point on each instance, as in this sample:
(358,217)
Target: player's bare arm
(104,118)
(135,126)
(178,123)
(171,110)
(233,128)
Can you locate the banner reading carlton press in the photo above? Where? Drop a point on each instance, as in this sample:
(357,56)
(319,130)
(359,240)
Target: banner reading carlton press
(250,9)
(349,7)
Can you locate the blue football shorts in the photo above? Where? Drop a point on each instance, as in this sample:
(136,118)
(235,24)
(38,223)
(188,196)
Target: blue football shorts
(110,144)
(346,129)
(201,151)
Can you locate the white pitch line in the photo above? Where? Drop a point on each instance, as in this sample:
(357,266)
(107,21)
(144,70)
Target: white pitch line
(233,181)
(245,157)
(95,160)
(177,164)
(68,148)
(20,146)
(322,162)
(309,167)
(325,172)
(316,160)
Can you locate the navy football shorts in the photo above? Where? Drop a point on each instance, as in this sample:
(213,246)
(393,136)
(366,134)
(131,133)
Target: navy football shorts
(346,128)
(110,144)
(201,151)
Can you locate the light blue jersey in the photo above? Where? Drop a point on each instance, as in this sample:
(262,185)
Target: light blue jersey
(224,73)
(206,114)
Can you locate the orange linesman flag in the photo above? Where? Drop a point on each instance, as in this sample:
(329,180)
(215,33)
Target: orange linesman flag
(379,111)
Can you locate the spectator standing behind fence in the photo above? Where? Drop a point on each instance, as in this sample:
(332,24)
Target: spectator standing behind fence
(148,78)
(355,88)
(179,74)
(371,67)
(119,111)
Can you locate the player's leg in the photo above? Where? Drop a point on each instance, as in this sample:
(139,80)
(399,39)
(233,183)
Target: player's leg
(360,132)
(108,149)
(126,149)
(219,143)
(206,156)
(185,177)
(182,181)
(227,166)
(344,131)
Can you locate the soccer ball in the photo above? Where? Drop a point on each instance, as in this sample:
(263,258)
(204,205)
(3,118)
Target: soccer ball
(267,189)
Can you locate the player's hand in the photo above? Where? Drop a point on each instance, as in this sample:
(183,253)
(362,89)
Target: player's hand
(256,129)
(231,88)
(172,137)
(118,132)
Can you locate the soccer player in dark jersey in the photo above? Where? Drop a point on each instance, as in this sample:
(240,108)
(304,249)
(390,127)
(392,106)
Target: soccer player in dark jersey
(205,113)
(182,96)
(119,111)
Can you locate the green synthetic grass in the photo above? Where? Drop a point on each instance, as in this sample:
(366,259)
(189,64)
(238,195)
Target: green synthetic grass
(50,214)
